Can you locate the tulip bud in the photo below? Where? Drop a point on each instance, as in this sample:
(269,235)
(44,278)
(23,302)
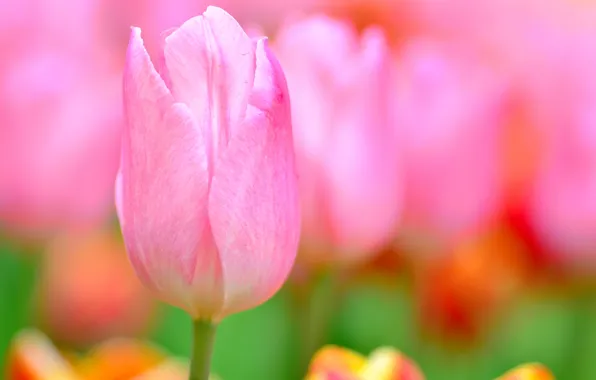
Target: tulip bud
(119,358)
(562,200)
(207,191)
(528,372)
(347,161)
(59,140)
(389,364)
(332,363)
(335,362)
(34,357)
(169,370)
(450,109)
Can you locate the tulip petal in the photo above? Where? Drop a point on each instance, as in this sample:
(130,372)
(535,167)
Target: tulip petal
(238,63)
(532,371)
(362,162)
(160,64)
(118,197)
(253,204)
(388,363)
(211,64)
(332,360)
(163,176)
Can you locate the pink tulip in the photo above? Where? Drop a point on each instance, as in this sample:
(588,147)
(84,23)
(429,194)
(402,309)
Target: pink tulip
(49,21)
(155,16)
(450,109)
(152,16)
(59,139)
(60,118)
(562,96)
(349,175)
(208,196)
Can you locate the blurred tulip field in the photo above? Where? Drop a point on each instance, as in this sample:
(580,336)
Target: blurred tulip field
(380,190)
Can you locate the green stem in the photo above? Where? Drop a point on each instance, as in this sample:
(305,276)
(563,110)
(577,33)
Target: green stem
(315,308)
(202,341)
(580,333)
(309,327)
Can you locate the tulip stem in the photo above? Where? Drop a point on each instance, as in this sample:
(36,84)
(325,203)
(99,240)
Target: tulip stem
(202,347)
(580,332)
(315,307)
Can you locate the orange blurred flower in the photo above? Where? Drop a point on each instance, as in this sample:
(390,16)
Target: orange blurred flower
(461,292)
(34,357)
(332,361)
(395,17)
(336,363)
(119,359)
(534,371)
(78,301)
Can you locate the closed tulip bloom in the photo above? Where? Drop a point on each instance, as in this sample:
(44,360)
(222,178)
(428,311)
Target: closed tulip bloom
(207,192)
(533,371)
(450,109)
(155,16)
(60,119)
(347,160)
(32,356)
(59,140)
(562,206)
(385,363)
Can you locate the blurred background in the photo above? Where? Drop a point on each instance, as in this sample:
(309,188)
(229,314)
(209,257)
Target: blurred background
(490,257)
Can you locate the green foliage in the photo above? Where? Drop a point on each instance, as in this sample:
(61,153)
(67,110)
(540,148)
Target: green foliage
(17,275)
(260,343)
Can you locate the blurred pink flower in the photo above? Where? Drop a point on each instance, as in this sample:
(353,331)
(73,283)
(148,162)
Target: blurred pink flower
(208,197)
(450,109)
(59,138)
(563,204)
(349,175)
(77,302)
(503,30)
(51,23)
(269,14)
(492,22)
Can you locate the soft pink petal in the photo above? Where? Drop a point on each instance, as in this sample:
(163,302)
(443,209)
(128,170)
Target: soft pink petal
(237,62)
(165,184)
(160,64)
(450,107)
(60,122)
(562,206)
(313,52)
(361,162)
(118,198)
(211,64)
(349,175)
(253,204)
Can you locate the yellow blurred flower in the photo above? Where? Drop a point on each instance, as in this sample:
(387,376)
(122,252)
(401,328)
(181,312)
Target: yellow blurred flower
(78,273)
(533,371)
(332,361)
(170,369)
(34,357)
(336,363)
(117,359)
